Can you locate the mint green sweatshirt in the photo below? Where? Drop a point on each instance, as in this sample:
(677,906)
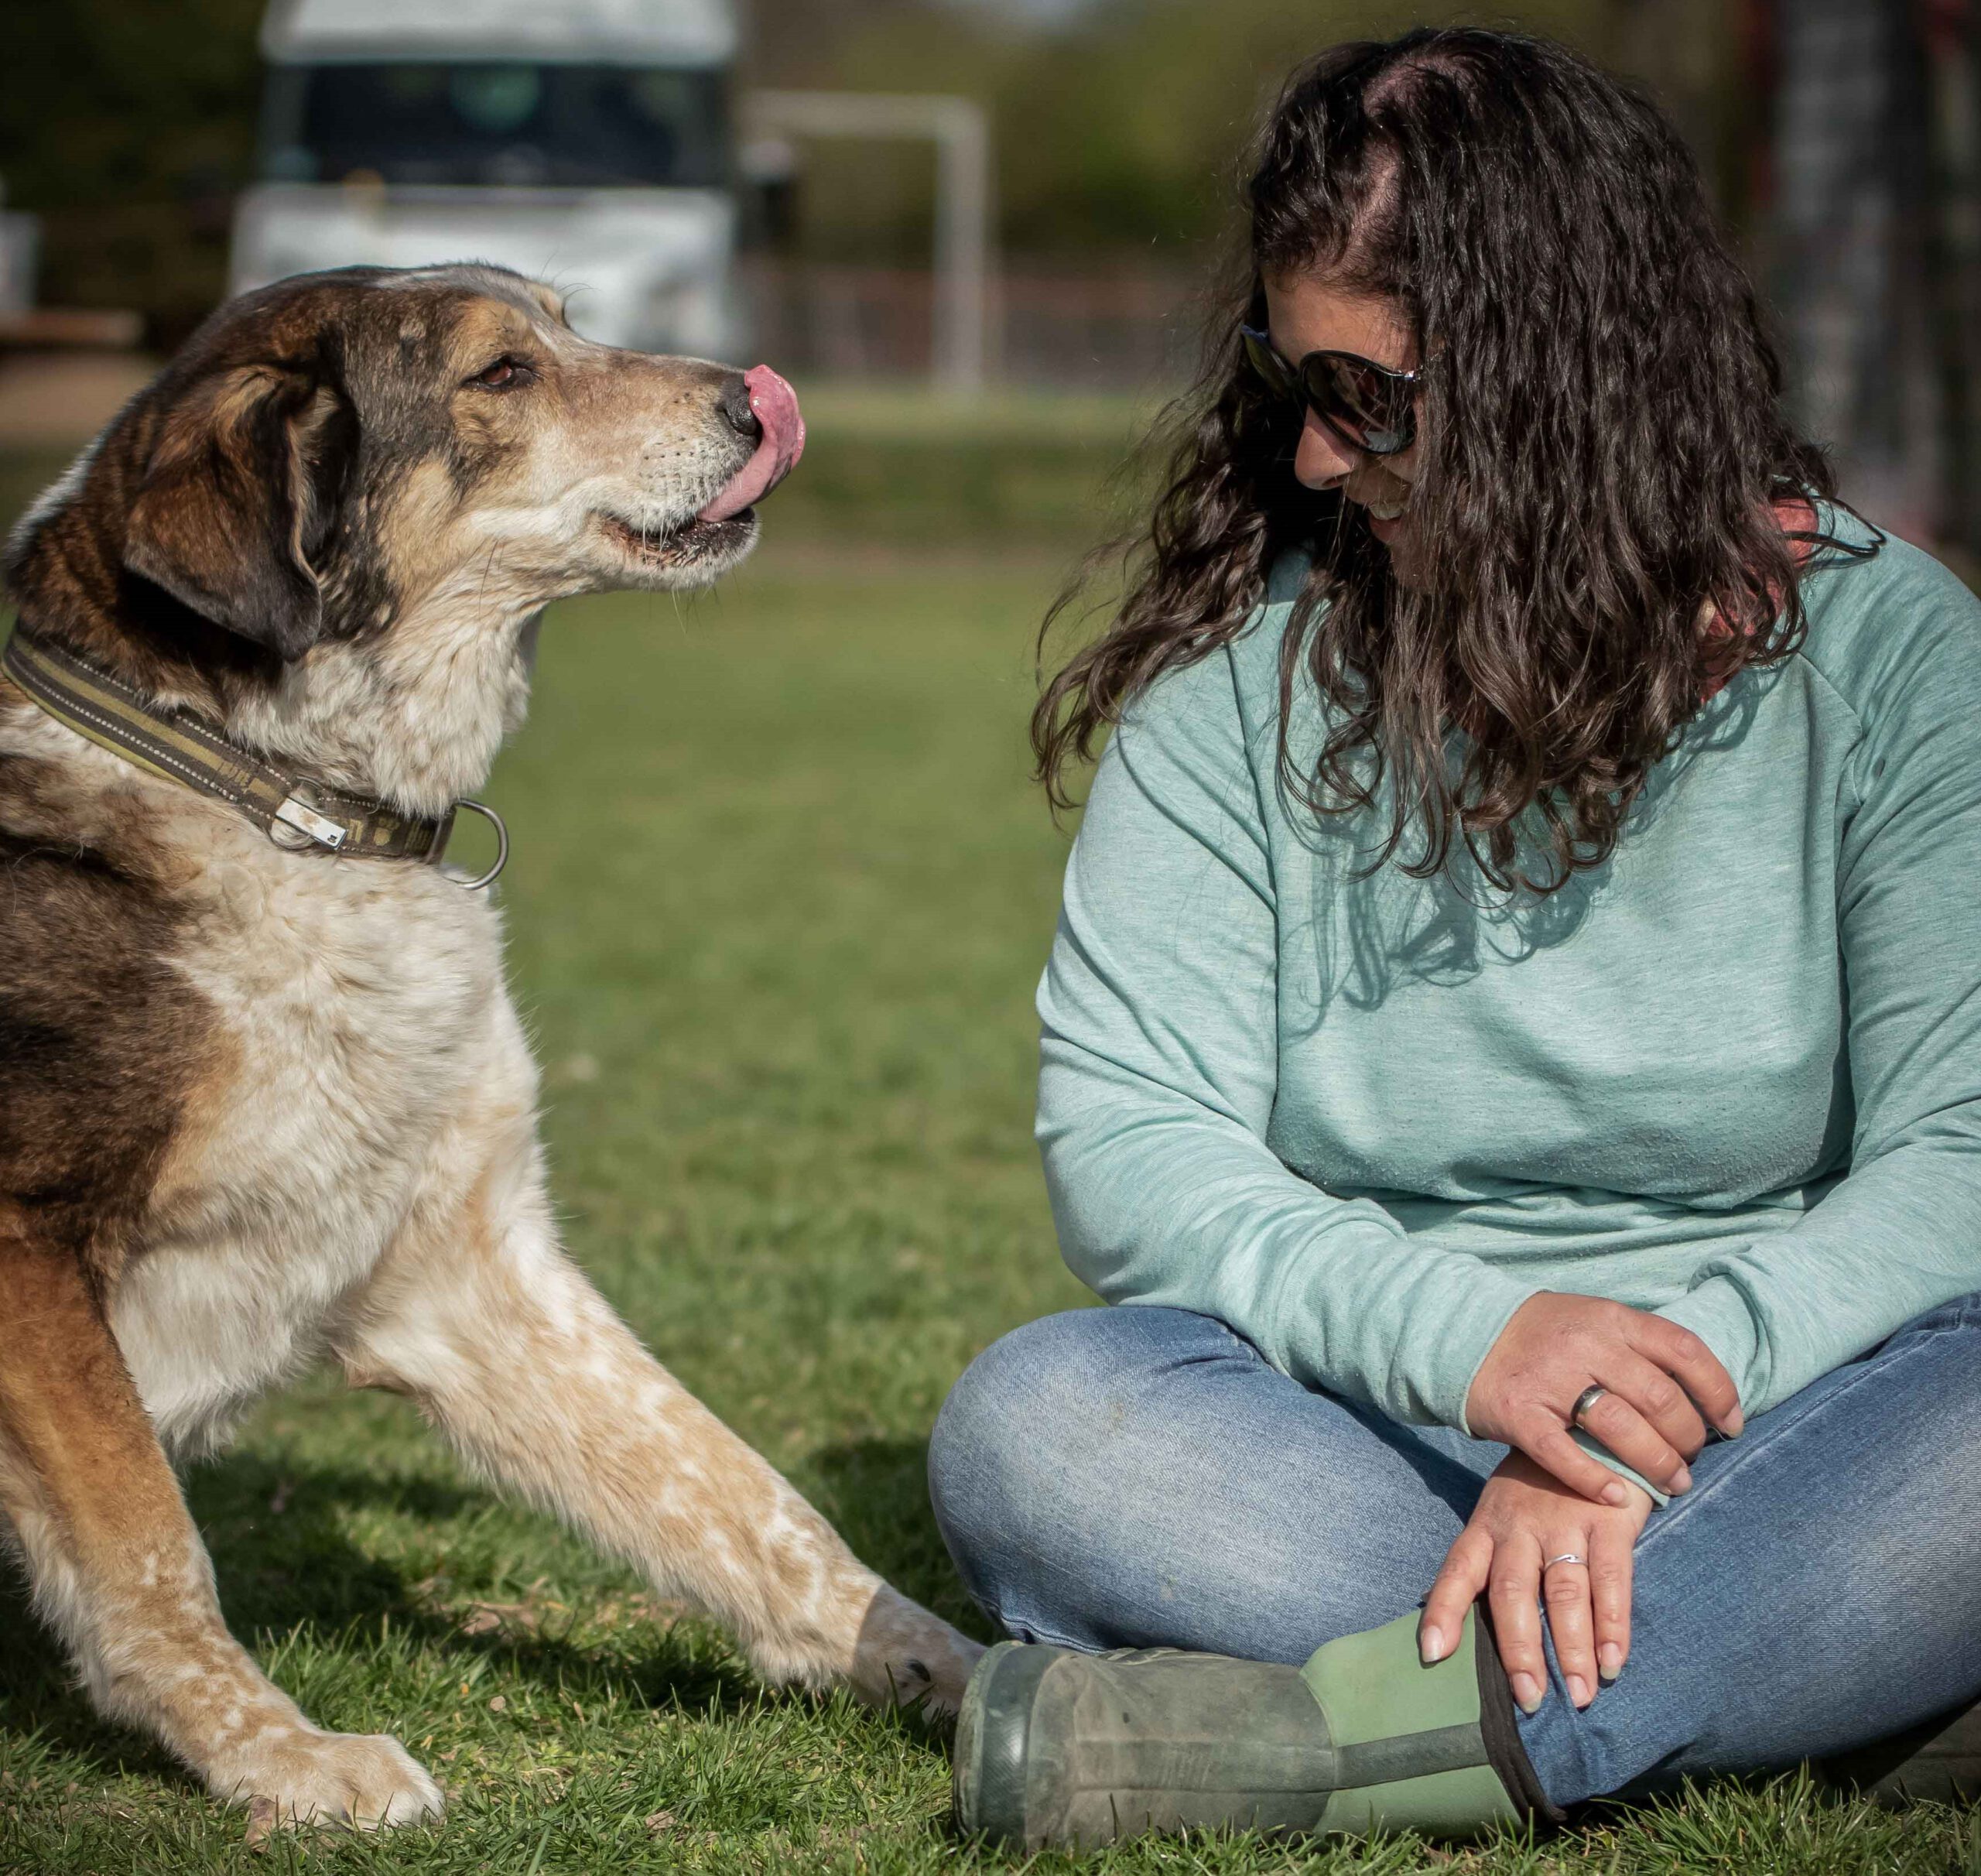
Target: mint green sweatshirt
(1733,1076)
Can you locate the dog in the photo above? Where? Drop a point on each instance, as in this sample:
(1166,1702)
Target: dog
(264,1100)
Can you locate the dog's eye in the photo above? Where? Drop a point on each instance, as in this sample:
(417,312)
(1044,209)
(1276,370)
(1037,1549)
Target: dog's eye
(504,374)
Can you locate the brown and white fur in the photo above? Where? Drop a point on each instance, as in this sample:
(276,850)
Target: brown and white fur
(260,1108)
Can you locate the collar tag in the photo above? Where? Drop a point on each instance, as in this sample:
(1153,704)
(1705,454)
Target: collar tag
(297,813)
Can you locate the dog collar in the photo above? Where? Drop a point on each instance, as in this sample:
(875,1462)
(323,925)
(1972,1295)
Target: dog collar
(179,745)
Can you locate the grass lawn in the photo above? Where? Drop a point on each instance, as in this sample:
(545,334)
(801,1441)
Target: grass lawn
(780,893)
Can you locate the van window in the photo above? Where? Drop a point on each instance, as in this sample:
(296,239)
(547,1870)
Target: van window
(512,125)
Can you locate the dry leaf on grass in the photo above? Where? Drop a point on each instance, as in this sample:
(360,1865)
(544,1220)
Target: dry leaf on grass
(485,1618)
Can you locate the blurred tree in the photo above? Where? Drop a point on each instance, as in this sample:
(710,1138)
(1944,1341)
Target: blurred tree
(1131,127)
(1120,127)
(128,124)
(1873,225)
(1950,40)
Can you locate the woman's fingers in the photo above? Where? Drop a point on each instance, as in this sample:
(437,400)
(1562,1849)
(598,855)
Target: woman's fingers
(1565,1588)
(1541,1547)
(1655,1395)
(1638,1417)
(1514,1595)
(1611,1555)
(1549,1447)
(1691,1363)
(1466,1566)
(1647,1417)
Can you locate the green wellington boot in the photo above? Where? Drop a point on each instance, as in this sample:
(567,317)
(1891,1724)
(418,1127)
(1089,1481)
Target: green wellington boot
(1056,1747)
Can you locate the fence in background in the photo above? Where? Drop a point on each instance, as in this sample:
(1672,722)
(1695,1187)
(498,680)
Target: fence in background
(1114,331)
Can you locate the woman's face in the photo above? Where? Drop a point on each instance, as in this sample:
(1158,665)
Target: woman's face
(1305,314)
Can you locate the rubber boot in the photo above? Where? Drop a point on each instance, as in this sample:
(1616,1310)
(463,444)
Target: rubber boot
(1058,1748)
(1940,1760)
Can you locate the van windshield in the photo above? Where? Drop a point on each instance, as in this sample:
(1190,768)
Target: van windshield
(512,125)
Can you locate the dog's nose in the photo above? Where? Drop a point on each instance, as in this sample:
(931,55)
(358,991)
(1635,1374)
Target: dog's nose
(734,405)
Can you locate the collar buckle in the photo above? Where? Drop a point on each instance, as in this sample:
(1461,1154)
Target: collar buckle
(299,813)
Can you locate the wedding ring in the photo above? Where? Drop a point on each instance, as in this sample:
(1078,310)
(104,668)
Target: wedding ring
(1567,1556)
(1578,1414)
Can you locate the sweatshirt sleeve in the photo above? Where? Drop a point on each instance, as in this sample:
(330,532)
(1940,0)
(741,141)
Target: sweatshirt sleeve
(1159,1065)
(1901,1234)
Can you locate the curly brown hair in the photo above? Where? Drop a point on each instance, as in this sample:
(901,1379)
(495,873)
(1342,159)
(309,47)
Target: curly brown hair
(1606,455)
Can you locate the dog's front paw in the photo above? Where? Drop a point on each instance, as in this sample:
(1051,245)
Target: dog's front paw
(298,1775)
(907,1654)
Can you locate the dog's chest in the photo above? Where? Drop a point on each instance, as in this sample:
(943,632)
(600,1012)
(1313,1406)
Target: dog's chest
(355,998)
(360,1011)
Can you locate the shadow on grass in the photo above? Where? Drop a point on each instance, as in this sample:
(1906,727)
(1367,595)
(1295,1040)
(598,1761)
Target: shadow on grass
(297,1569)
(876,1492)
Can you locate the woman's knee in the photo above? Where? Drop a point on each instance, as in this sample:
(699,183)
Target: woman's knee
(1018,1434)
(1138,1476)
(1021,1399)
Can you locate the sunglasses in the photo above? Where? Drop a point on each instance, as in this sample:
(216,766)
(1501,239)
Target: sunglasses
(1366,406)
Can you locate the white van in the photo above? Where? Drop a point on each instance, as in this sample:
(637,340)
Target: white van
(586,142)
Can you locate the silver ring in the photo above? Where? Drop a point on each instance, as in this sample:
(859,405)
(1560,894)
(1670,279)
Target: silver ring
(1567,1556)
(1579,1413)
(501,848)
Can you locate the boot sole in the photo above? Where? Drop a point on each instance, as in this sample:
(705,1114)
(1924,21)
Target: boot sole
(993,1730)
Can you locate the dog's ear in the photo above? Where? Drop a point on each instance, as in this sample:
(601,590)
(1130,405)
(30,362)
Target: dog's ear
(242,490)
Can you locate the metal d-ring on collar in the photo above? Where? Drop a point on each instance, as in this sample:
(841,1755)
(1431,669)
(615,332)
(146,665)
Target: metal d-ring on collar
(501,844)
(298,814)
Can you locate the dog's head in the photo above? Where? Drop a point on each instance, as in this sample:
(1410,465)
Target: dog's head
(391,469)
(326,453)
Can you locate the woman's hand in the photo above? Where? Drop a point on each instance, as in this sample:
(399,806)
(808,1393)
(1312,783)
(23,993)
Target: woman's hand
(1660,1378)
(1524,1517)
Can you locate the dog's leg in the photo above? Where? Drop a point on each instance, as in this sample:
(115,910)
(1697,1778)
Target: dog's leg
(478,1315)
(117,1568)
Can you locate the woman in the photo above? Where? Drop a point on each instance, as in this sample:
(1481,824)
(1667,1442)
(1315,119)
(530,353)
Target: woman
(1514,1034)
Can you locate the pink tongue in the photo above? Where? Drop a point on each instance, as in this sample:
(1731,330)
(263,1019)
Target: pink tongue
(777,452)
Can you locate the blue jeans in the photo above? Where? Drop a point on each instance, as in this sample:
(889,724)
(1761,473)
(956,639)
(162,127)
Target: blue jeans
(1138,1477)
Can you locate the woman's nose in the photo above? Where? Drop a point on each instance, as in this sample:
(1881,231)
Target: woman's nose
(1322,460)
